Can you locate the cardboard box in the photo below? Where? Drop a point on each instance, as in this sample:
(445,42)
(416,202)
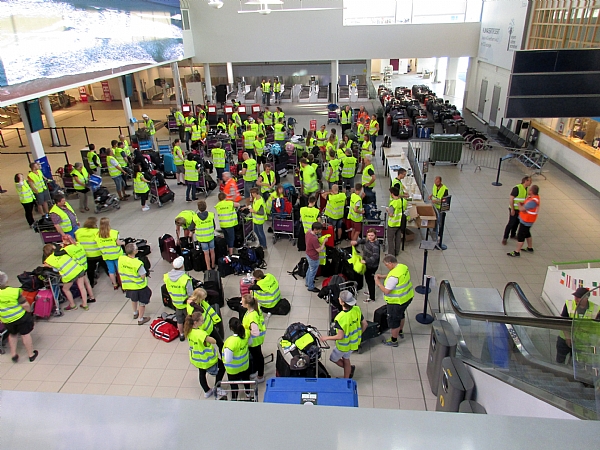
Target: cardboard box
(424,215)
(410,236)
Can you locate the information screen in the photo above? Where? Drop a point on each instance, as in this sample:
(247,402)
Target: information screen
(49,45)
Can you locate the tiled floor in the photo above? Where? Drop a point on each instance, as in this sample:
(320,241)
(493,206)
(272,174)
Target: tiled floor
(103,351)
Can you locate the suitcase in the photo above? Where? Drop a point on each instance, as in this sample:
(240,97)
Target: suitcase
(169,164)
(245,284)
(198,260)
(446,147)
(44,304)
(220,247)
(225,267)
(188,264)
(403,133)
(328,229)
(371,331)
(212,281)
(380,317)
(186,242)
(168,197)
(167,247)
(166,298)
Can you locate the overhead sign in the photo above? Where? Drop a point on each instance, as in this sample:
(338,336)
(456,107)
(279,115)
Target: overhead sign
(502,30)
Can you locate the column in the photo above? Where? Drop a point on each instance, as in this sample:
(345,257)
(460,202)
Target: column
(436,71)
(451,77)
(470,70)
(177,85)
(230,74)
(139,87)
(33,138)
(45,100)
(126,106)
(334,80)
(207,83)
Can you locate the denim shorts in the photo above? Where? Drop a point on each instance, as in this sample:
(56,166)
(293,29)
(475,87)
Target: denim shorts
(113,265)
(206,246)
(118,183)
(43,197)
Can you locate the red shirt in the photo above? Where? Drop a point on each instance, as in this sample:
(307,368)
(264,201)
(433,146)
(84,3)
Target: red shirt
(312,244)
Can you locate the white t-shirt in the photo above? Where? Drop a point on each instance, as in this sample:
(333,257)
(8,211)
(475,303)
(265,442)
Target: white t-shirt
(391,283)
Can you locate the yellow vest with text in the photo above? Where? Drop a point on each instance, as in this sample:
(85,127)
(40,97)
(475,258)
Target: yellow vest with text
(39,184)
(202,356)
(190,171)
(109,247)
(130,278)
(270,179)
(226,213)
(80,179)
(205,229)
(241,356)
(366,178)
(112,170)
(139,185)
(308,216)
(257,318)
(349,168)
(87,238)
(352,215)
(335,206)
(177,289)
(10,309)
(77,252)
(67,267)
(309,180)
(218,155)
(25,192)
(259,218)
(351,325)
(346,117)
(269,295)
(251,174)
(178,158)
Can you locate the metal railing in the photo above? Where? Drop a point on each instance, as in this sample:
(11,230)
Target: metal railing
(58,136)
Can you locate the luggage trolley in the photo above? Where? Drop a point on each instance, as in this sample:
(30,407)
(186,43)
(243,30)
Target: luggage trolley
(245,219)
(301,355)
(52,281)
(377,220)
(332,114)
(250,395)
(282,223)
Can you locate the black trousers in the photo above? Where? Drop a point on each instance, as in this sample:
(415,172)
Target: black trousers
(562,350)
(28,207)
(257,360)
(345,127)
(370,280)
(242,376)
(93,266)
(202,376)
(512,225)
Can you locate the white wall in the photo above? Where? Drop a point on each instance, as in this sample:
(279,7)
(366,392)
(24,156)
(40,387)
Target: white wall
(223,35)
(500,398)
(496,76)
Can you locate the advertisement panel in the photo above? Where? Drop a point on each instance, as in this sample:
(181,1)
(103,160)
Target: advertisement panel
(502,31)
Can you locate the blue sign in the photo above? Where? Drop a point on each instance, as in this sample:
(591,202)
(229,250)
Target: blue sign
(45,166)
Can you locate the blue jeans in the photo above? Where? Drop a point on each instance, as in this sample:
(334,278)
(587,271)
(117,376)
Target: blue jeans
(260,234)
(313,266)
(229,234)
(373,138)
(191,186)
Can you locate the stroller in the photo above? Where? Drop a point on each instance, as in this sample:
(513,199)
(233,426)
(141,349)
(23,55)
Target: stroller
(299,352)
(103,199)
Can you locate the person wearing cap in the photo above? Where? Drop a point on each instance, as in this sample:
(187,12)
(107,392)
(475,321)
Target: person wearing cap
(350,325)
(179,286)
(17,319)
(150,128)
(578,308)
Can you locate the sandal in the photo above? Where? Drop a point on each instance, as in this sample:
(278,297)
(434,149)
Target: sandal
(71,308)
(15,358)
(115,286)
(85,308)
(91,300)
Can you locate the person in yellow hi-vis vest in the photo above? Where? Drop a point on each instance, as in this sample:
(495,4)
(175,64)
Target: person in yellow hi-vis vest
(398,293)
(17,319)
(236,357)
(205,233)
(26,197)
(254,324)
(37,182)
(179,160)
(134,281)
(70,272)
(179,286)
(350,324)
(140,186)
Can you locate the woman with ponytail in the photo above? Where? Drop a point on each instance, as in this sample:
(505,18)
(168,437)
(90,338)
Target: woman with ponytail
(254,326)
(236,357)
(197,303)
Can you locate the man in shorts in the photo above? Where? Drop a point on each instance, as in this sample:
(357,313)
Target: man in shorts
(179,287)
(398,293)
(15,315)
(350,325)
(134,282)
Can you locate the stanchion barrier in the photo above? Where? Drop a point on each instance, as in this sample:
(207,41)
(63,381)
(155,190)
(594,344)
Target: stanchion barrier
(424,317)
(3,145)
(426,246)
(20,140)
(497,182)
(92,112)
(65,137)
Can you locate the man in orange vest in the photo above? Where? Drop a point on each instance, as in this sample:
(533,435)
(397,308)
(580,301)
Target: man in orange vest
(528,213)
(230,188)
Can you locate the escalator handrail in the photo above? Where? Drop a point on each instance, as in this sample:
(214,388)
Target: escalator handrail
(528,306)
(554,323)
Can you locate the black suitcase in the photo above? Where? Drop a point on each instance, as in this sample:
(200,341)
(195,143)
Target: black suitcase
(380,317)
(186,242)
(168,197)
(166,298)
(403,133)
(188,263)
(220,247)
(225,268)
(212,281)
(146,261)
(371,331)
(198,260)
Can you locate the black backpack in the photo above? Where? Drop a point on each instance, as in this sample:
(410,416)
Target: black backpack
(300,269)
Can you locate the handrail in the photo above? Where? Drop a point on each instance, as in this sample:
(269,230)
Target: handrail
(567,263)
(528,306)
(553,323)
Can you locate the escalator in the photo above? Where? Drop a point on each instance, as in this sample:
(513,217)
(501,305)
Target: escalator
(511,340)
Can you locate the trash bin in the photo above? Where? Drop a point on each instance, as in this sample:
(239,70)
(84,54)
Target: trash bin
(471,407)
(446,147)
(442,343)
(456,385)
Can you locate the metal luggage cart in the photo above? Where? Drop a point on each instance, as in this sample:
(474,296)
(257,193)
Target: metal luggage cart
(249,395)
(332,114)
(380,227)
(305,363)
(172,124)
(164,146)
(282,224)
(201,185)
(154,196)
(245,218)
(52,281)
(351,286)
(145,145)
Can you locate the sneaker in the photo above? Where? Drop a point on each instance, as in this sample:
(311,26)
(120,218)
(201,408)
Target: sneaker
(221,394)
(146,208)
(390,343)
(529,249)
(250,395)
(368,300)
(314,290)
(91,300)
(254,376)
(15,358)
(401,334)
(209,393)
(143,320)
(260,379)
(181,337)
(187,200)
(71,308)
(504,241)
(352,369)
(366,293)
(514,254)
(136,315)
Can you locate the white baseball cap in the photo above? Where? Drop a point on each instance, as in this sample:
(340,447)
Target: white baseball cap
(178,262)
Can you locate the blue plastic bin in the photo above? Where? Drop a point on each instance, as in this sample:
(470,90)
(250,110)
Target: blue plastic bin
(321,391)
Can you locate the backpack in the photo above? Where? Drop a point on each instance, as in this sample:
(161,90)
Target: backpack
(371,212)
(275,149)
(295,332)
(300,269)
(252,257)
(30,281)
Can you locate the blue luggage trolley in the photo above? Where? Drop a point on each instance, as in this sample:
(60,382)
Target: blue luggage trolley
(315,391)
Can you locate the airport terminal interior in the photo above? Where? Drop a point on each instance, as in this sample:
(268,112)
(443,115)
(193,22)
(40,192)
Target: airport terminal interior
(103,352)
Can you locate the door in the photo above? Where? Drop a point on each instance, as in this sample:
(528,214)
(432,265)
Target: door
(482,94)
(494,109)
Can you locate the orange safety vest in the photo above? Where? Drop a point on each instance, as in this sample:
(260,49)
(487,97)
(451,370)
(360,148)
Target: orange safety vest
(530,216)
(231,190)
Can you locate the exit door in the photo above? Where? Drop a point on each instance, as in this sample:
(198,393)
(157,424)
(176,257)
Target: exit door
(482,94)
(494,109)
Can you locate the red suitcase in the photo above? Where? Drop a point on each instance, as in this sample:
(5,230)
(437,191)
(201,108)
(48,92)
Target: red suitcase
(328,229)
(245,286)
(168,248)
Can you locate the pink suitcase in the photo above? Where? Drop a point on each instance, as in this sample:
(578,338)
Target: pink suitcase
(245,286)
(44,304)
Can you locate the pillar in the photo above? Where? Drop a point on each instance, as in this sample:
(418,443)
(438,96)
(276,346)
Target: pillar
(33,138)
(470,71)
(451,77)
(335,76)
(126,106)
(436,71)
(230,74)
(47,108)
(140,88)
(207,83)
(177,85)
